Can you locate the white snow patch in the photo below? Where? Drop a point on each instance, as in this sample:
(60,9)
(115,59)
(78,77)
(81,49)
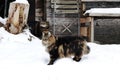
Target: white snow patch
(21,1)
(103,12)
(3,21)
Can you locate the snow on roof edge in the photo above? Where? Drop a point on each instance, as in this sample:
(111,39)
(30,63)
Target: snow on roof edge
(103,10)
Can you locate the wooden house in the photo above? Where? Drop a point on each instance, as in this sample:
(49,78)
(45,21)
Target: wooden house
(67,24)
(64,16)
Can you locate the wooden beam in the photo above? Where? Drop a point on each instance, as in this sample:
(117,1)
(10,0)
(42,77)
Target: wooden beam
(66,11)
(100,0)
(65,6)
(85,20)
(83,31)
(52,1)
(104,15)
(64,2)
(91,30)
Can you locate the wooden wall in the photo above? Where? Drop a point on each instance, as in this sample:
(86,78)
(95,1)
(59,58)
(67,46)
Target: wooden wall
(58,22)
(40,10)
(107,31)
(103,29)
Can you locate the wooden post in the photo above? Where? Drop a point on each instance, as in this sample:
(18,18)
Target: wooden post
(17,17)
(86,30)
(92,30)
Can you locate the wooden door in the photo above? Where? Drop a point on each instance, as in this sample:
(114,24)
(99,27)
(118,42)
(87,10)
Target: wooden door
(64,17)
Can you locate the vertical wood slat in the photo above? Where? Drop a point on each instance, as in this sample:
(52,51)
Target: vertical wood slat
(84,31)
(64,11)
(65,6)
(91,30)
(87,30)
(85,19)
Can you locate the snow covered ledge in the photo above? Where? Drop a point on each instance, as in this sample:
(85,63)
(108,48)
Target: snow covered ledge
(103,12)
(100,12)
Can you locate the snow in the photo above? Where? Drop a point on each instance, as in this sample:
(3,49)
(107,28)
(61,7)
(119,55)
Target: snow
(21,59)
(2,20)
(21,1)
(103,11)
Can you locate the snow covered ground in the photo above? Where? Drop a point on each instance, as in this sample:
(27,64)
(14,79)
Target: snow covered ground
(21,59)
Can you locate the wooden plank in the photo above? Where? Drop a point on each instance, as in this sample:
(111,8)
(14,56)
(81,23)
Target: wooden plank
(104,15)
(64,6)
(64,2)
(52,1)
(100,0)
(66,11)
(91,31)
(86,19)
(83,31)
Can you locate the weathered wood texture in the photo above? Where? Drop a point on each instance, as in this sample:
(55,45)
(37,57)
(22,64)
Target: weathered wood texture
(107,14)
(39,10)
(95,0)
(65,6)
(17,17)
(85,28)
(106,30)
(100,0)
(63,16)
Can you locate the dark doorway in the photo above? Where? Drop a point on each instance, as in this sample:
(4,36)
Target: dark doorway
(4,6)
(31,17)
(2,2)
